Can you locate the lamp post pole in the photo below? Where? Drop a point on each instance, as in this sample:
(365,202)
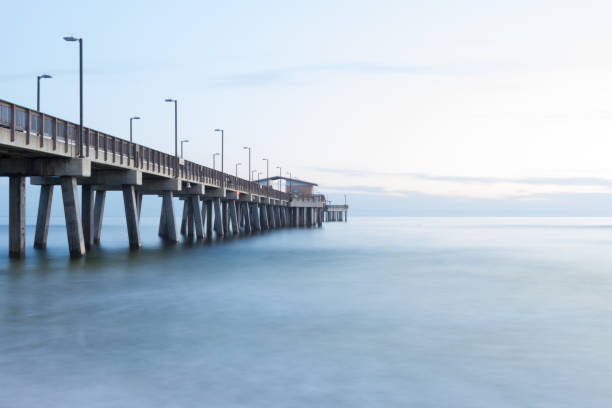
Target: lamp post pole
(38,78)
(183,141)
(80,139)
(237,164)
(280,174)
(222,154)
(214,164)
(290,178)
(267,172)
(246,147)
(131,120)
(176,164)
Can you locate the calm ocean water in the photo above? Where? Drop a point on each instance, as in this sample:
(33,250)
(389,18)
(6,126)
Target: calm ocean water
(376,312)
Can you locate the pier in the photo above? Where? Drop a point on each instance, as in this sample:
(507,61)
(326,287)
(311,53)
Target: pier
(215,204)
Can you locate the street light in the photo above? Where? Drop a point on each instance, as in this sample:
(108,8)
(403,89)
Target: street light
(80,40)
(183,141)
(132,119)
(175,134)
(237,164)
(290,178)
(222,168)
(215,155)
(252,173)
(38,78)
(267,172)
(246,147)
(280,174)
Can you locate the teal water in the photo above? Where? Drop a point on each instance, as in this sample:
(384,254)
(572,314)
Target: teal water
(376,312)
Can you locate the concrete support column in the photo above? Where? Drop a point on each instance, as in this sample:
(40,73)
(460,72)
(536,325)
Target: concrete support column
(87,214)
(16,216)
(271,218)
(131,216)
(44,213)
(74,227)
(257,215)
(246,213)
(169,222)
(264,217)
(139,203)
(218,220)
(184,219)
(233,213)
(225,217)
(99,214)
(190,217)
(209,218)
(197,217)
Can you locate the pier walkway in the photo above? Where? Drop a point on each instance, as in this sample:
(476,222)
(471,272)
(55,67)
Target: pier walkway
(215,204)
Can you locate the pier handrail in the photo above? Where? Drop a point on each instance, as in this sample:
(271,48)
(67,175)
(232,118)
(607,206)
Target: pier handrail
(22,119)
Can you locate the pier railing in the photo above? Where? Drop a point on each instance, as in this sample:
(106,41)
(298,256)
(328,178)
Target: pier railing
(101,146)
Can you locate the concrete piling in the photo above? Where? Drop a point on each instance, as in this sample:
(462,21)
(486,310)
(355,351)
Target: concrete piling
(16,216)
(99,214)
(74,227)
(44,213)
(131,216)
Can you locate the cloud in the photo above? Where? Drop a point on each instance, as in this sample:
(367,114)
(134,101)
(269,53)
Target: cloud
(297,73)
(559,181)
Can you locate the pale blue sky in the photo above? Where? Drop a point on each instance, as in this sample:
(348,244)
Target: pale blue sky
(453,100)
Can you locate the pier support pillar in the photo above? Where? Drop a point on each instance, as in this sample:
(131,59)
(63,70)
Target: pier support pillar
(189,220)
(16,216)
(233,214)
(44,213)
(74,227)
(184,218)
(167,222)
(271,220)
(99,214)
(218,218)
(87,214)
(197,217)
(131,216)
(225,217)
(256,217)
(209,218)
(265,225)
(246,213)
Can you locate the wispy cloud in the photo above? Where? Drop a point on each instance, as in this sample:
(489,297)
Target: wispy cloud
(560,181)
(301,73)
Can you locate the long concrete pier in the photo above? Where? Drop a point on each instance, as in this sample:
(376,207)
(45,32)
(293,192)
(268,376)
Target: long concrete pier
(215,204)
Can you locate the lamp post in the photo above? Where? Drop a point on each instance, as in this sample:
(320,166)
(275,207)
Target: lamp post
(38,78)
(290,177)
(131,120)
(252,174)
(183,141)
(267,172)
(214,165)
(247,147)
(176,168)
(80,139)
(280,174)
(237,164)
(223,177)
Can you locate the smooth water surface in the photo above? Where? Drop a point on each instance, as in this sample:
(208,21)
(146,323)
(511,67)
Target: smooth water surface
(376,312)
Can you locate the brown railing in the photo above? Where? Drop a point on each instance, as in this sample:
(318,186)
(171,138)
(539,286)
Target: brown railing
(103,147)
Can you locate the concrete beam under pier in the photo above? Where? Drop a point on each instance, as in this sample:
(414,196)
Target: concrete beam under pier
(45,167)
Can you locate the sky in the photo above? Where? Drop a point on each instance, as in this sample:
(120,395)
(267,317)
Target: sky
(438,107)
